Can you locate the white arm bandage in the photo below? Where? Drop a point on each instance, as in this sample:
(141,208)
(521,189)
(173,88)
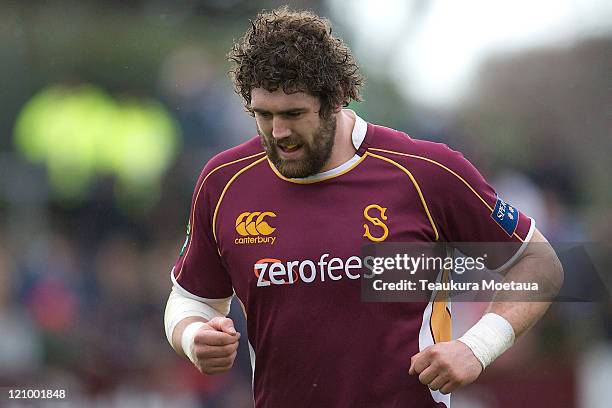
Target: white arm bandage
(180,306)
(489,338)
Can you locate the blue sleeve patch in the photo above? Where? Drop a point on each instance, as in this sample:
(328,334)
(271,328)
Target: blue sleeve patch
(506,216)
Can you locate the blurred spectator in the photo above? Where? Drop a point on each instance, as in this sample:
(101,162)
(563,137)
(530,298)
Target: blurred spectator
(21,350)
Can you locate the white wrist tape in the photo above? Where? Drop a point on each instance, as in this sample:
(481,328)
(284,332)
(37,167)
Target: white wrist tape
(180,306)
(489,338)
(188,338)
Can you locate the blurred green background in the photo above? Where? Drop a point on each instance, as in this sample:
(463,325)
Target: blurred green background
(110,109)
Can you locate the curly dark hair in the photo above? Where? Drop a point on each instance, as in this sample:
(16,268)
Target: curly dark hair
(295,51)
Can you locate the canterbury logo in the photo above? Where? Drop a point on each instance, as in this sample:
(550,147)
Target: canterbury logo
(253,223)
(375,220)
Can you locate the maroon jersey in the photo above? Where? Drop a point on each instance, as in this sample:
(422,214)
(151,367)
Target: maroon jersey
(290,251)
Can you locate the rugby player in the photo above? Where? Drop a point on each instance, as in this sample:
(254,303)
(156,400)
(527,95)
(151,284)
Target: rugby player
(279,222)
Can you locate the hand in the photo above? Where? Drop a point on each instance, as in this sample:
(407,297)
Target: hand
(446,366)
(215,345)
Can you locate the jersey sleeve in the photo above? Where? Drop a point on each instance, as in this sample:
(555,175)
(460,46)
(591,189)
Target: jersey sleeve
(199,270)
(471,215)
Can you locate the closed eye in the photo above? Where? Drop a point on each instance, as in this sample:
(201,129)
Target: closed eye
(293,115)
(287,114)
(264,115)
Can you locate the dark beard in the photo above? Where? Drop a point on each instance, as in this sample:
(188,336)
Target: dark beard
(317,152)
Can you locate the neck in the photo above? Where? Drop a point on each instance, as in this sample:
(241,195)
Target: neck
(343,149)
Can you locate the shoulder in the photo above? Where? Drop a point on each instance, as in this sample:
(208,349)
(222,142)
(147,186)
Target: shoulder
(227,163)
(418,155)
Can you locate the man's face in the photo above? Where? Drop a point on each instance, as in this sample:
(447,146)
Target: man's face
(298,142)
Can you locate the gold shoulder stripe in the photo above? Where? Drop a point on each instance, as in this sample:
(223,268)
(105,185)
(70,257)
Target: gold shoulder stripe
(195,202)
(416,185)
(447,169)
(242,170)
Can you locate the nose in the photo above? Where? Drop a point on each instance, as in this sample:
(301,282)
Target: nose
(280,130)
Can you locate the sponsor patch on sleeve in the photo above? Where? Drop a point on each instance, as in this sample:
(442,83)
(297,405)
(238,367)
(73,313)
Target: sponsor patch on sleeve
(506,216)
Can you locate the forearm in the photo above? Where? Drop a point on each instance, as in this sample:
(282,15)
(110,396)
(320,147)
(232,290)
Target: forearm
(541,265)
(511,314)
(521,315)
(181,311)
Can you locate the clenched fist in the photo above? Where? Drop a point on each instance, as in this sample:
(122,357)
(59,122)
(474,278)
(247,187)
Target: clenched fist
(214,346)
(446,366)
